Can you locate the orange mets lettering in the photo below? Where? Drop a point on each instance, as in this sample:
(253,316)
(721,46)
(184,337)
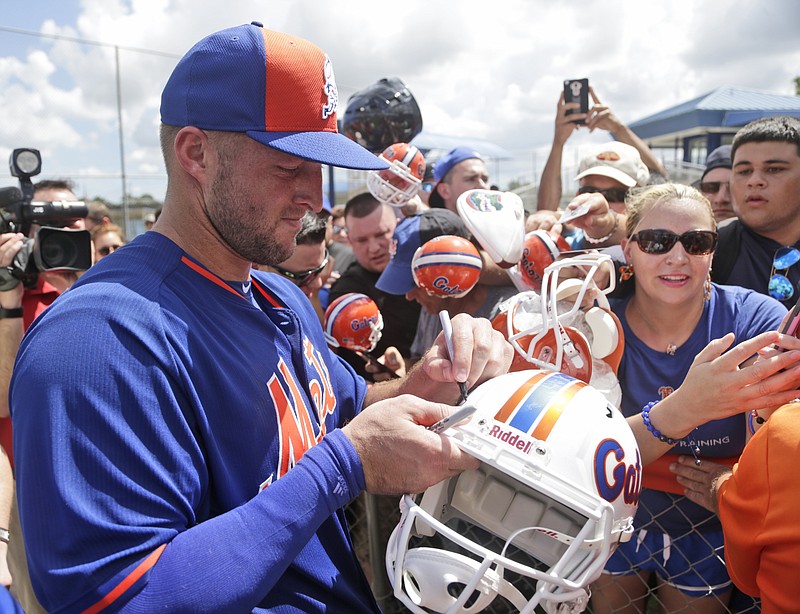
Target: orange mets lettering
(294,421)
(321,390)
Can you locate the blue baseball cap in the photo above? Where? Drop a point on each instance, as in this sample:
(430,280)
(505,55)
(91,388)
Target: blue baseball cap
(719,158)
(277,88)
(409,235)
(443,166)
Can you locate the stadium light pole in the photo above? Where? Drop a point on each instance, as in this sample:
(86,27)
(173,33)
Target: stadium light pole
(121,147)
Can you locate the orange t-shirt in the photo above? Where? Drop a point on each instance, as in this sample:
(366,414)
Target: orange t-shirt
(758,506)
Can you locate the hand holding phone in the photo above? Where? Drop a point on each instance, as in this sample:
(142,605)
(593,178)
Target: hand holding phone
(577,90)
(790,326)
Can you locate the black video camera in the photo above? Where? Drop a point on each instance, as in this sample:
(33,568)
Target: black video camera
(53,247)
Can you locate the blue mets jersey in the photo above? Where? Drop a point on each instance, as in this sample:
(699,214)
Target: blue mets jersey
(177,444)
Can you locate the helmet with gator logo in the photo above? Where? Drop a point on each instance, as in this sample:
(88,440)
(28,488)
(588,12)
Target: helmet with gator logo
(447,266)
(354,322)
(557,489)
(396,185)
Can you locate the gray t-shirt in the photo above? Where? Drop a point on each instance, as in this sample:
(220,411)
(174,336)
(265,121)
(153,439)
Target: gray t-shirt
(429,326)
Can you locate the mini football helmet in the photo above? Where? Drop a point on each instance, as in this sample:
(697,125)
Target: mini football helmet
(354,322)
(561,329)
(383,113)
(447,266)
(557,489)
(396,185)
(497,221)
(540,249)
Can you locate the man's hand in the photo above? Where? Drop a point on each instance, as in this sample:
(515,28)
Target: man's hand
(565,124)
(701,481)
(543,220)
(397,451)
(392,359)
(480,353)
(599,220)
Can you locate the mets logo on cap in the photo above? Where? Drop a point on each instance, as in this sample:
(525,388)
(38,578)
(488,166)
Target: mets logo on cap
(329,89)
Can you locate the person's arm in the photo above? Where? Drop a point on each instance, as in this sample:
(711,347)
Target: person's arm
(11,328)
(548,195)
(6,497)
(716,387)
(480,354)
(601,116)
(601,225)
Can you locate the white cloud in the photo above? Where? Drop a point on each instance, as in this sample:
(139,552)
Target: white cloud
(489,70)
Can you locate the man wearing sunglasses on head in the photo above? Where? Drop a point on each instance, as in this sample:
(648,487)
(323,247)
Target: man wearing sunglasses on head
(629,155)
(310,264)
(759,250)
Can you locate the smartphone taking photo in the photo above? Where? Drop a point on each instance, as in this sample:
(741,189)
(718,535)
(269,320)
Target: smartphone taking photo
(577,90)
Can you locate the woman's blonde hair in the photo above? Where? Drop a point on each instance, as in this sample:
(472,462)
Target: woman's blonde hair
(641,200)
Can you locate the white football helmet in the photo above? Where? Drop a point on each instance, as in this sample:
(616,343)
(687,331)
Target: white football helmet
(561,329)
(557,489)
(397,184)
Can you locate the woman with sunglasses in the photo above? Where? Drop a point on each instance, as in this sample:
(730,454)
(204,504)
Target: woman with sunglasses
(671,316)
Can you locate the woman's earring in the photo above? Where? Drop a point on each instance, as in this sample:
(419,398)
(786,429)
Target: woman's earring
(707,287)
(626,272)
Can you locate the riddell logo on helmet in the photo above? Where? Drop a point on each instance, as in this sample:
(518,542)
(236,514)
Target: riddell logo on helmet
(512,439)
(362,323)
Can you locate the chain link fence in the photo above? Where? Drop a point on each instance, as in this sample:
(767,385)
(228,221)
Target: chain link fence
(373,518)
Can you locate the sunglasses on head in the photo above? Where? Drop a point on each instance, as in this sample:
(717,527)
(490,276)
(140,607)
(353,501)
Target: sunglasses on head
(303,278)
(612,195)
(780,287)
(712,187)
(659,241)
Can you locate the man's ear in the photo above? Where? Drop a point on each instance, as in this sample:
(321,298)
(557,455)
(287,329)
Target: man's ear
(192,152)
(444,190)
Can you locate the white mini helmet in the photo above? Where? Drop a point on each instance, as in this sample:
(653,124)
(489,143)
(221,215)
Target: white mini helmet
(562,329)
(397,184)
(556,491)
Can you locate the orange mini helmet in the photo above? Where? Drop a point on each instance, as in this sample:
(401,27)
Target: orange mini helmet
(397,184)
(540,250)
(354,322)
(447,266)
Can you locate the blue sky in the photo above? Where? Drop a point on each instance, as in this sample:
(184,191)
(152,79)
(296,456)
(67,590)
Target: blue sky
(478,70)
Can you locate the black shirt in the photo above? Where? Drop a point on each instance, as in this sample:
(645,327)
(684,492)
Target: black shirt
(752,266)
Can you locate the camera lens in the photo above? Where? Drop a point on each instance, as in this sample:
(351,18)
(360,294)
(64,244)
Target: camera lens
(58,251)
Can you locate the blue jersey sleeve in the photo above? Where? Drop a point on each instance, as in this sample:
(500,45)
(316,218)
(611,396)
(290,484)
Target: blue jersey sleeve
(163,470)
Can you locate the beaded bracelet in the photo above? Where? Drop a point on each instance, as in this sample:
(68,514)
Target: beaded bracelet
(656,433)
(693,447)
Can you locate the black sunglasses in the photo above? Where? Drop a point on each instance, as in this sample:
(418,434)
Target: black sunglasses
(712,187)
(612,195)
(105,251)
(303,278)
(660,241)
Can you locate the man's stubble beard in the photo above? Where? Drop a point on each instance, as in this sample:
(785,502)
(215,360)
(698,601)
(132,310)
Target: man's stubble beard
(222,210)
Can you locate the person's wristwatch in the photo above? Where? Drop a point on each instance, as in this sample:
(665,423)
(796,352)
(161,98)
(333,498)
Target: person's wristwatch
(15,312)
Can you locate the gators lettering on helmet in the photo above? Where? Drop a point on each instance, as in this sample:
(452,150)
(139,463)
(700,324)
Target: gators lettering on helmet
(354,322)
(447,266)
